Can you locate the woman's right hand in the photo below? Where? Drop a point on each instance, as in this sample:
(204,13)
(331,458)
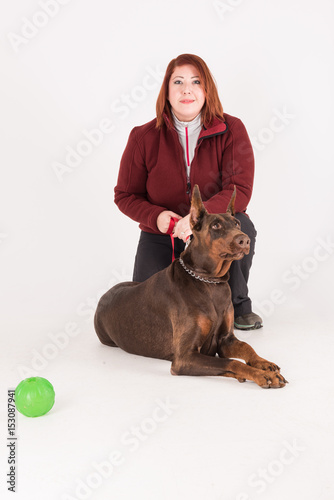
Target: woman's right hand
(164,218)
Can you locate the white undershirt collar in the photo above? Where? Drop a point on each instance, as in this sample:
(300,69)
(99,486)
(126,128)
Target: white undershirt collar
(188,133)
(194,126)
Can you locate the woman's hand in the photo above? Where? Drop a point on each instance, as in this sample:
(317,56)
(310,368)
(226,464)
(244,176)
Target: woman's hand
(182,229)
(164,218)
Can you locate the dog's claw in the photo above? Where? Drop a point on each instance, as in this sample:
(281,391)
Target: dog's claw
(265,365)
(275,380)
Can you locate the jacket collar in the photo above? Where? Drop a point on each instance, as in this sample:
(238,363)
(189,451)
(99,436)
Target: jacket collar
(216,128)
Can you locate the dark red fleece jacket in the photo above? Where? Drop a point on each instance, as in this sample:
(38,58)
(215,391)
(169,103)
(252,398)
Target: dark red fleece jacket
(152,175)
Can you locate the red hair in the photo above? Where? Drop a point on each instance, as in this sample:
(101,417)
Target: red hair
(212,107)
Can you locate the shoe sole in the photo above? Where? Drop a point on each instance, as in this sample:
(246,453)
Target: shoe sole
(256,326)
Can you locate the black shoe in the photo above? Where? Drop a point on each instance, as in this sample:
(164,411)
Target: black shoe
(249,321)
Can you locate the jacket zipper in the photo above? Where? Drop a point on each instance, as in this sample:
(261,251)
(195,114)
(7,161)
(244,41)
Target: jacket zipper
(188,164)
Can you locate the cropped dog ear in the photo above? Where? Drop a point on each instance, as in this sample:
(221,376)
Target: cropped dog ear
(197,209)
(230,208)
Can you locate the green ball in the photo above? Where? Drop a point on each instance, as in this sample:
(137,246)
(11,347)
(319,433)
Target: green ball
(34,396)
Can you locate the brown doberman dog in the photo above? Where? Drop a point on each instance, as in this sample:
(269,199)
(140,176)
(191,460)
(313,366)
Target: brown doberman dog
(184,313)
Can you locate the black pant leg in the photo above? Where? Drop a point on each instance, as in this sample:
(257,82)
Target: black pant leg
(154,253)
(239,271)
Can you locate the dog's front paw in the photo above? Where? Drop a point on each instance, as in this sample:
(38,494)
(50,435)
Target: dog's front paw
(270,380)
(263,364)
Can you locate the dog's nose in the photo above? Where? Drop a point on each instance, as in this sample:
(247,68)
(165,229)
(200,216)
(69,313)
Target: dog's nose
(242,241)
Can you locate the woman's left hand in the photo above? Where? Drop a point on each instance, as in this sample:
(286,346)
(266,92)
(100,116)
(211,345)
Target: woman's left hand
(182,229)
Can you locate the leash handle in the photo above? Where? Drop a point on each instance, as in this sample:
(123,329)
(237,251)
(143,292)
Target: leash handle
(172,223)
(171,226)
(170,229)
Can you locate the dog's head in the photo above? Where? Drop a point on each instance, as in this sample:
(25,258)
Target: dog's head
(217,236)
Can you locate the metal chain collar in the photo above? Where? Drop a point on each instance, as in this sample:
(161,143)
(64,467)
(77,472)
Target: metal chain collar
(197,277)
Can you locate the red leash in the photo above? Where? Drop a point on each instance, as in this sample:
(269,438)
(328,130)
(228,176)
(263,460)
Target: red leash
(171,226)
(170,229)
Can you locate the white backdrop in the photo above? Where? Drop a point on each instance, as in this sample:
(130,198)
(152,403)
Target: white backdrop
(71,67)
(97,64)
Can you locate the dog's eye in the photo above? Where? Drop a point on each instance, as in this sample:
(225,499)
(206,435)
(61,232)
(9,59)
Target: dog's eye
(216,225)
(237,222)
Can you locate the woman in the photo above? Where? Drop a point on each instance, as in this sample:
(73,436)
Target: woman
(191,141)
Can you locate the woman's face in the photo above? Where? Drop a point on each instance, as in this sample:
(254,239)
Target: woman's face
(185,93)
